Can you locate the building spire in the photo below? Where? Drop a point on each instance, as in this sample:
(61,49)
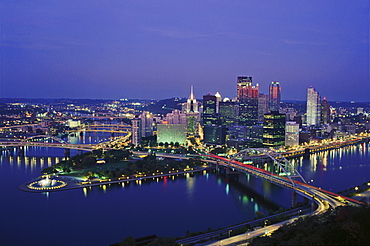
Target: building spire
(191,93)
(191,104)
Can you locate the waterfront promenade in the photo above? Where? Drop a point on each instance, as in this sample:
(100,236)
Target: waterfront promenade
(76,183)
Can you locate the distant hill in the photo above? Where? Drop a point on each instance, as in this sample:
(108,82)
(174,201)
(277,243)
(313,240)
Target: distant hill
(165,106)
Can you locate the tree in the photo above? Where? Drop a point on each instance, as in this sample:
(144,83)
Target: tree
(259,214)
(88,161)
(128,241)
(49,170)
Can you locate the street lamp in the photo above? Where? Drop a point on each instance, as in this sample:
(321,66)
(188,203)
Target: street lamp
(230,232)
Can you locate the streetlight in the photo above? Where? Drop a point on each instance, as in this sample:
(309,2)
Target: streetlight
(230,232)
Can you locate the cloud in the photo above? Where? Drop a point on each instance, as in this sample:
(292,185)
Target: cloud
(295,42)
(266,53)
(177,34)
(43,43)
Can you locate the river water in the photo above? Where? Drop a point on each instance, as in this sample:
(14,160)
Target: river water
(166,207)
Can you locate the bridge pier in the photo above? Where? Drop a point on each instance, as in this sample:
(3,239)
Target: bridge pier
(20,151)
(67,153)
(294,199)
(229,171)
(313,204)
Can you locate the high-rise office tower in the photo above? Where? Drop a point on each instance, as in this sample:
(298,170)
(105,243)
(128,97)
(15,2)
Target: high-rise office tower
(147,124)
(218,100)
(209,109)
(192,114)
(291,133)
(325,112)
(136,131)
(263,103)
(313,107)
(228,112)
(274,129)
(142,126)
(247,96)
(274,96)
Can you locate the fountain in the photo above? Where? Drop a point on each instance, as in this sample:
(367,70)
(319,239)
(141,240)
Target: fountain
(47,184)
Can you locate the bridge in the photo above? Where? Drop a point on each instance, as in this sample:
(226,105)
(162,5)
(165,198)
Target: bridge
(286,177)
(112,128)
(39,141)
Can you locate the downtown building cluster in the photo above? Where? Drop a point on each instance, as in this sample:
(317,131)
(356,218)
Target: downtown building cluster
(251,119)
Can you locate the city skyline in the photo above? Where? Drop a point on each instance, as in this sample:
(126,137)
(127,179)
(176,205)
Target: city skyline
(158,50)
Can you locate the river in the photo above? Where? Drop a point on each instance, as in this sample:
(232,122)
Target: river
(166,207)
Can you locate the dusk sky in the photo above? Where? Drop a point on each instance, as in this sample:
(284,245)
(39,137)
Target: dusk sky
(158,49)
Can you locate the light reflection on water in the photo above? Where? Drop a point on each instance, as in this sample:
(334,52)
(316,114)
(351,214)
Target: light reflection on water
(330,169)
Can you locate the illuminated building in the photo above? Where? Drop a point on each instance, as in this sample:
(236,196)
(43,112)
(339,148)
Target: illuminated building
(263,106)
(313,107)
(176,117)
(147,124)
(191,105)
(142,126)
(247,96)
(214,134)
(136,131)
(274,129)
(274,96)
(73,123)
(291,133)
(218,100)
(239,132)
(325,112)
(171,133)
(192,114)
(209,116)
(228,112)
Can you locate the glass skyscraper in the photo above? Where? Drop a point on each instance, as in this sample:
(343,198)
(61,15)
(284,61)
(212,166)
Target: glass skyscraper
(313,107)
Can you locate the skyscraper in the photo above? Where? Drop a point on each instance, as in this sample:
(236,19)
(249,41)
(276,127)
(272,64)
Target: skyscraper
(209,109)
(192,114)
(136,131)
(263,103)
(228,111)
(325,112)
(191,104)
(142,126)
(247,96)
(313,107)
(274,96)
(274,129)
(291,133)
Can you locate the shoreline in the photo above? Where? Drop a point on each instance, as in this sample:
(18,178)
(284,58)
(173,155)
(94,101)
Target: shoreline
(73,183)
(315,149)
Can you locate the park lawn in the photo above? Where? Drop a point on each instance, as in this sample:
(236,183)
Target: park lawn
(98,168)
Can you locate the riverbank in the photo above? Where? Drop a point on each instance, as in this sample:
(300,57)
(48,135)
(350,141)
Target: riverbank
(75,183)
(330,146)
(360,193)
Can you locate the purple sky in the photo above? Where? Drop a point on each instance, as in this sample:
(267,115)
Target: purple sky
(157,49)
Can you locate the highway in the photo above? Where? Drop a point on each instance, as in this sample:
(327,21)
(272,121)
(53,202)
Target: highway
(324,199)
